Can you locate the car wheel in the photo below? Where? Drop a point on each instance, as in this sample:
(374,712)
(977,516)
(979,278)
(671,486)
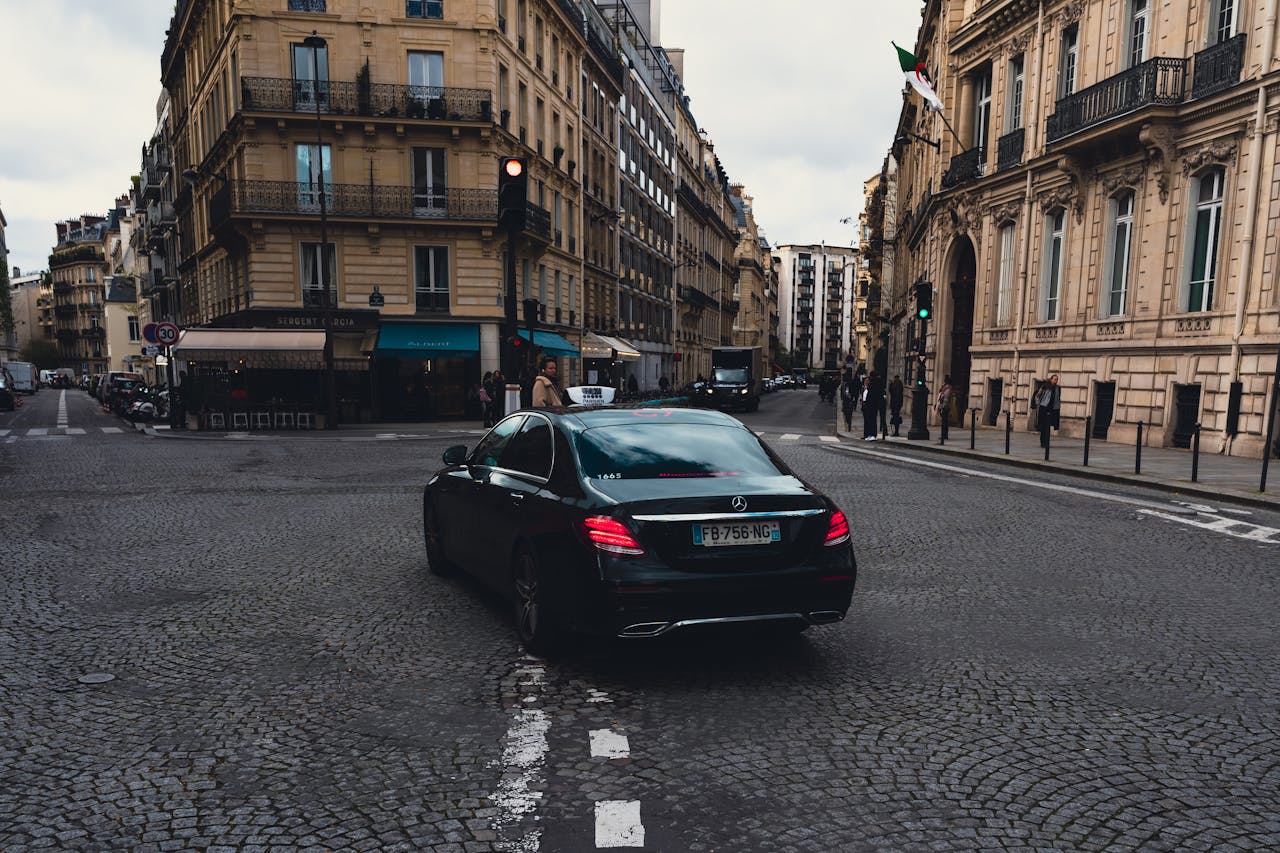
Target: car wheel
(436,561)
(534,624)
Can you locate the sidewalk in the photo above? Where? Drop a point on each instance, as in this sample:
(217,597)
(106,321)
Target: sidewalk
(344,432)
(1226,478)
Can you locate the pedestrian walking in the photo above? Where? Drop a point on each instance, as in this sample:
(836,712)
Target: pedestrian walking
(872,405)
(633,387)
(847,396)
(663,384)
(486,398)
(1047,401)
(545,394)
(895,403)
(945,395)
(499,404)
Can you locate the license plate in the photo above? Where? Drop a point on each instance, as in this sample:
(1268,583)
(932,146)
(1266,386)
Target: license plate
(737,533)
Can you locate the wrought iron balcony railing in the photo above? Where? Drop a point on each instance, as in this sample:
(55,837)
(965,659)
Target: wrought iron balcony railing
(435,103)
(1009,149)
(353,200)
(307,5)
(1161,81)
(313,297)
(431,301)
(965,167)
(537,220)
(1218,67)
(575,14)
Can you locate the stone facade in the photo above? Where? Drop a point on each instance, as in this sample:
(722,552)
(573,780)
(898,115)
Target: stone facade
(76,266)
(1106,210)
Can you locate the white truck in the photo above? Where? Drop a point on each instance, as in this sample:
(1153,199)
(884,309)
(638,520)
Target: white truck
(26,378)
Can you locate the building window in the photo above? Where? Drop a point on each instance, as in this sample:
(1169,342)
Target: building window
(310,76)
(542,283)
(1004,288)
(524,277)
(426,84)
(1222,21)
(522,13)
(1017,80)
(504,96)
(1069,53)
(424,8)
(1207,222)
(1139,24)
(312,285)
(430,197)
(982,107)
(1053,260)
(431,278)
(1120,247)
(135,333)
(314,169)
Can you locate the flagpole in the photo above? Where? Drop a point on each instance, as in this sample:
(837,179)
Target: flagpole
(952,129)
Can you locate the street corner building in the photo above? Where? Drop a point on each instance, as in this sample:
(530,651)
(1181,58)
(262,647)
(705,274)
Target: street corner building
(1097,198)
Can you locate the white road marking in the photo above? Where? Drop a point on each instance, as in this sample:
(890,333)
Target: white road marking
(606,743)
(1253,532)
(524,751)
(112,429)
(830,439)
(789,436)
(62,410)
(970,472)
(618,824)
(38,431)
(597,695)
(3,433)
(75,431)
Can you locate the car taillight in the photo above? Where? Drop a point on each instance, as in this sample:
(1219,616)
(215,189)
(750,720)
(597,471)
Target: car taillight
(837,529)
(611,536)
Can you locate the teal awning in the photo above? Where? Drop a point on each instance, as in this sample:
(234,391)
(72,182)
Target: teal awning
(550,343)
(428,340)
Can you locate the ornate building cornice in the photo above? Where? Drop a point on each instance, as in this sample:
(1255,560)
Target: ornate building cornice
(1005,212)
(1018,44)
(1061,196)
(1071,13)
(1220,151)
(1162,147)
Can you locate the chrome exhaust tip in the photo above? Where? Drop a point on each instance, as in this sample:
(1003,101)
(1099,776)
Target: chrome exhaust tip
(644,629)
(825,617)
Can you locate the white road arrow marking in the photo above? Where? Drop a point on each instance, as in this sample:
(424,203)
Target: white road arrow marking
(1229,526)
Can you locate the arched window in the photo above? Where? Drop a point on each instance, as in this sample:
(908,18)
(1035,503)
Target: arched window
(1205,227)
(1051,291)
(1119,249)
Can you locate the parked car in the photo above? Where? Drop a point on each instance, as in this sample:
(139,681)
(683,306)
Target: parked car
(634,523)
(111,378)
(7,401)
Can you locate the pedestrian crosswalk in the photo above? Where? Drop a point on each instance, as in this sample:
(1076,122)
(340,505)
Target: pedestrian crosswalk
(9,436)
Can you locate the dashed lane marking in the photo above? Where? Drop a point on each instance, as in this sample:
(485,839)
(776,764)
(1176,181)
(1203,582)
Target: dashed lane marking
(829,439)
(38,431)
(789,436)
(1229,526)
(112,429)
(606,743)
(618,824)
(524,752)
(3,433)
(75,431)
(62,410)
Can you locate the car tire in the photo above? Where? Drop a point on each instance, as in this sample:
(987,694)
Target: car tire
(535,627)
(436,562)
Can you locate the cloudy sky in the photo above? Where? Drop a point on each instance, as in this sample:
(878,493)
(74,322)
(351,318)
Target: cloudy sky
(800,99)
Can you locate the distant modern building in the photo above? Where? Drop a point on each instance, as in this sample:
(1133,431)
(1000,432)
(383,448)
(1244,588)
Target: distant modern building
(815,297)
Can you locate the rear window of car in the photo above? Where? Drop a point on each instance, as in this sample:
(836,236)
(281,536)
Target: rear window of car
(655,450)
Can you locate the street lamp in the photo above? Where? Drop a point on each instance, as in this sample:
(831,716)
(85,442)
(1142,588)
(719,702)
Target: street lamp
(315,42)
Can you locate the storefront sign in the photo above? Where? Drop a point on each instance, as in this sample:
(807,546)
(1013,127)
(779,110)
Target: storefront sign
(271,318)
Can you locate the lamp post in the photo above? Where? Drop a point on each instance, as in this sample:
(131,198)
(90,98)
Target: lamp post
(315,42)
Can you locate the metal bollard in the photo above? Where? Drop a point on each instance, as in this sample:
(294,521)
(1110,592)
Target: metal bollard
(1137,462)
(1048,439)
(973,428)
(1195,454)
(1088,431)
(1008,430)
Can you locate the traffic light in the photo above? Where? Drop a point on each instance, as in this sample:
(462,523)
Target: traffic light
(516,343)
(924,299)
(513,192)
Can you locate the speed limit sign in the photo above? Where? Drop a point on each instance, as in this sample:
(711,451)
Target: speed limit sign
(166,333)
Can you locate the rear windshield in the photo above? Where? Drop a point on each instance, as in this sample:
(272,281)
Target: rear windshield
(651,451)
(730,374)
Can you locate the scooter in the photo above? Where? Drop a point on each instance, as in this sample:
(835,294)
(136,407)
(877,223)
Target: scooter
(141,407)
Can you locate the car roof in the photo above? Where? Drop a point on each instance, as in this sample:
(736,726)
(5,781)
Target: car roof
(581,418)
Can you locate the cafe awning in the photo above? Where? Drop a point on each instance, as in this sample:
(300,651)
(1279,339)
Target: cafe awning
(261,349)
(594,346)
(550,343)
(429,340)
(626,350)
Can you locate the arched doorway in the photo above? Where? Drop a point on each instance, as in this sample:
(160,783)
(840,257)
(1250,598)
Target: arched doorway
(965,266)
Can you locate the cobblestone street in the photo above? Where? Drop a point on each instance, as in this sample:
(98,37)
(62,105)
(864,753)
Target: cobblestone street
(1022,669)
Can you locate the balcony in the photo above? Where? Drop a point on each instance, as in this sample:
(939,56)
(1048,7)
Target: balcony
(94,333)
(379,100)
(1161,81)
(573,13)
(965,167)
(64,310)
(431,301)
(289,198)
(1218,67)
(537,220)
(150,183)
(1009,149)
(160,213)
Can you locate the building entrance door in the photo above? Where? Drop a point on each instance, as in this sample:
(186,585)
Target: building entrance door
(995,395)
(1186,401)
(1104,406)
(962,294)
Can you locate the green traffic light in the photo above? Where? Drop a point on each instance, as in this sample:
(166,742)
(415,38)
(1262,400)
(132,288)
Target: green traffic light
(922,313)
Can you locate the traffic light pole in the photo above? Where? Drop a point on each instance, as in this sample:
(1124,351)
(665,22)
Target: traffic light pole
(510,358)
(919,393)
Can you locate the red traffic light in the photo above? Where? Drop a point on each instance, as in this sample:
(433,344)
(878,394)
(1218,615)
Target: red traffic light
(513,166)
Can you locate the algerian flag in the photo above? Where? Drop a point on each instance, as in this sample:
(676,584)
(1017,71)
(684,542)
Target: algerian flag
(913,70)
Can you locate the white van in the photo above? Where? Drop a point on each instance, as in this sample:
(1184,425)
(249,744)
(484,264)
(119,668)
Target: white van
(46,378)
(26,379)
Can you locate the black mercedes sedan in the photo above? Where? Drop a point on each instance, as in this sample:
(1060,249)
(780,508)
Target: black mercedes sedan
(637,522)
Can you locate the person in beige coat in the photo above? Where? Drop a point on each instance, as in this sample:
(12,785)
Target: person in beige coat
(545,394)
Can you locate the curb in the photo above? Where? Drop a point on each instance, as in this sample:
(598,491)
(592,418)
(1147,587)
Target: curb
(1188,489)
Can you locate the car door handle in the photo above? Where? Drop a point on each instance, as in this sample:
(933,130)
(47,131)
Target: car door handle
(518,496)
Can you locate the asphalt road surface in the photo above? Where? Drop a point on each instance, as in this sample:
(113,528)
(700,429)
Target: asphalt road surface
(1028,665)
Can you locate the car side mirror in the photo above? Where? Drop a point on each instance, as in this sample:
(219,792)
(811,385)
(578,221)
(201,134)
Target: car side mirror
(455,455)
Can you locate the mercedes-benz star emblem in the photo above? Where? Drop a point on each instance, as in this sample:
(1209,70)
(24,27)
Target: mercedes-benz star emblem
(739,503)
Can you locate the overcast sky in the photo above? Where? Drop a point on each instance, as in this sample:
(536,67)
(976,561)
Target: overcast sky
(800,99)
